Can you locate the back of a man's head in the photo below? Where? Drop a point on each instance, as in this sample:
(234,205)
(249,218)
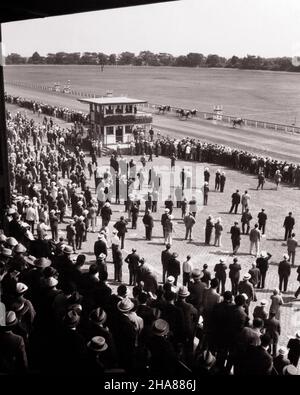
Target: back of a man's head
(258,323)
(214,283)
(122,290)
(265,340)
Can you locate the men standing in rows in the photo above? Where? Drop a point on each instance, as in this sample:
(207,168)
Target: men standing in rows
(234,275)
(262,219)
(284,272)
(254,237)
(165,259)
(245,220)
(292,244)
(235,201)
(288,224)
(261,180)
(148,223)
(235,237)
(189,222)
(245,201)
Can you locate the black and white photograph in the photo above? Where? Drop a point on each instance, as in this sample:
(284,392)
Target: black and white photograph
(149,191)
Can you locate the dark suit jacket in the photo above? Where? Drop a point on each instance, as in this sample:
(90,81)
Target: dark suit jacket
(100,247)
(13,358)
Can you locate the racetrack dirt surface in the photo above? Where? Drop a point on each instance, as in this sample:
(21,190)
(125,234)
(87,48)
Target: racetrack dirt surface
(276,144)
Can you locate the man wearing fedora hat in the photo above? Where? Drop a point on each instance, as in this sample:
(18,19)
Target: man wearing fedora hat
(149,224)
(100,246)
(18,261)
(163,360)
(234,275)
(220,270)
(197,289)
(245,287)
(98,356)
(284,272)
(262,262)
(133,264)
(190,315)
(235,237)
(260,311)
(13,357)
(281,360)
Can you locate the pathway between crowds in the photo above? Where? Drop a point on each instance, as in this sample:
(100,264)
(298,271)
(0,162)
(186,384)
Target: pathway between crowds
(276,203)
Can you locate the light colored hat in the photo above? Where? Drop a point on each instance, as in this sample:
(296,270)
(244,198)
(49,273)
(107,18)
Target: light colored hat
(263,254)
(42,262)
(285,256)
(6,252)
(21,288)
(11,211)
(247,276)
(50,282)
(10,319)
(3,238)
(98,315)
(12,242)
(282,350)
(263,302)
(166,210)
(80,203)
(102,256)
(160,327)
(298,334)
(107,204)
(19,248)
(114,231)
(170,280)
(196,273)
(125,305)
(290,370)
(97,344)
(67,250)
(183,292)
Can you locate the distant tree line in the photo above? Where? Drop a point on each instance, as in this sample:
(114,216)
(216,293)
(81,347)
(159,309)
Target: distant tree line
(147,58)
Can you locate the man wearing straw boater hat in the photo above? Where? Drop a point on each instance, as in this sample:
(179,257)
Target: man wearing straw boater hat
(245,287)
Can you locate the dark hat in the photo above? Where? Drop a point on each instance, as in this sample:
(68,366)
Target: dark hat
(71,319)
(98,315)
(160,327)
(97,344)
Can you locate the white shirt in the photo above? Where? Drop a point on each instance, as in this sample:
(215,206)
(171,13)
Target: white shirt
(187,267)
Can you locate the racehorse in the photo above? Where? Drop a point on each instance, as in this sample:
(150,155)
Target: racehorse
(193,112)
(183,113)
(238,121)
(163,109)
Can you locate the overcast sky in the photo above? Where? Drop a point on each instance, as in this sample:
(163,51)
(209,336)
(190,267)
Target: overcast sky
(225,27)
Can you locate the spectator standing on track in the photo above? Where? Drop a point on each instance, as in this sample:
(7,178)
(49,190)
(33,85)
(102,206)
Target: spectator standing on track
(288,224)
(220,274)
(292,244)
(218,233)
(235,201)
(262,262)
(187,268)
(245,201)
(234,275)
(222,181)
(165,259)
(262,219)
(255,237)
(208,229)
(245,220)
(284,272)
(235,237)
(217,180)
(261,180)
(189,222)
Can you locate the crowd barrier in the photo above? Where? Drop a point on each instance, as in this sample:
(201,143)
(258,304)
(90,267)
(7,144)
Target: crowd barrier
(153,107)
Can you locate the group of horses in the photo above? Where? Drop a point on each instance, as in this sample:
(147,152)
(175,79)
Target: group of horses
(185,114)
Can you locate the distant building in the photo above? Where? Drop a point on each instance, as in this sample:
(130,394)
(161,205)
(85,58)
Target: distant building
(114,118)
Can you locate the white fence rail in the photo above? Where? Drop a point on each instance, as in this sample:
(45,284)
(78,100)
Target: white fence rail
(153,107)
